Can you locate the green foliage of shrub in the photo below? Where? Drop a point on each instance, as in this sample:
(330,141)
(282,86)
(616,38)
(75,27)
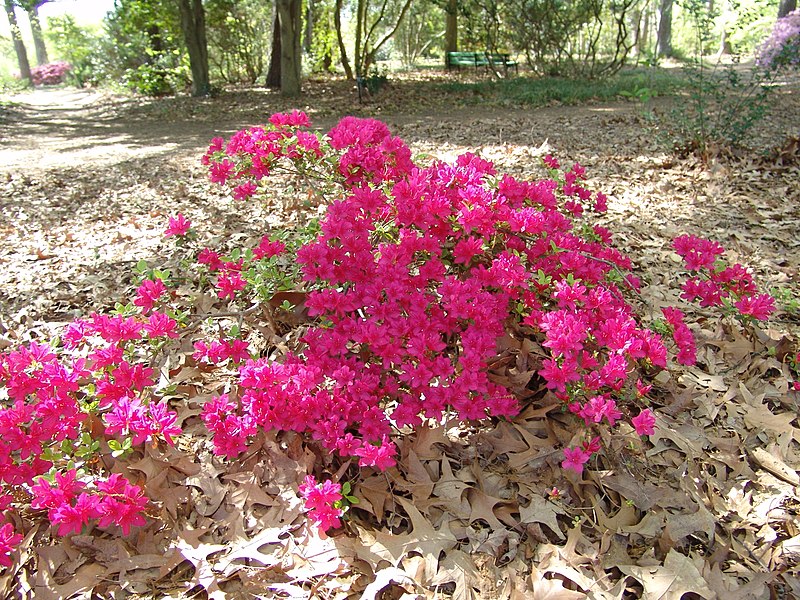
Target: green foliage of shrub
(158,79)
(530,91)
(81,47)
(718,111)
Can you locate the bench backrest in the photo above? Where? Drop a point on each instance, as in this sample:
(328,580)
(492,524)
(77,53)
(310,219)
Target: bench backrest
(465,58)
(477,59)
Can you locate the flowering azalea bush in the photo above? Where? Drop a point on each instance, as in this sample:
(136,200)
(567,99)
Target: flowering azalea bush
(406,285)
(782,47)
(51,73)
(415,274)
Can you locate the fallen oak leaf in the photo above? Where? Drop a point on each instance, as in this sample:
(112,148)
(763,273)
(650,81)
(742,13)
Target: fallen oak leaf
(540,510)
(388,577)
(251,550)
(459,569)
(644,495)
(773,464)
(84,580)
(482,506)
(678,576)
(550,588)
(681,525)
(374,546)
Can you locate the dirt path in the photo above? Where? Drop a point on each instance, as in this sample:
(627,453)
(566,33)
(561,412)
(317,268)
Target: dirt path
(62,128)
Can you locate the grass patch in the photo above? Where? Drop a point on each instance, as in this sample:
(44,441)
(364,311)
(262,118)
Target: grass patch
(637,84)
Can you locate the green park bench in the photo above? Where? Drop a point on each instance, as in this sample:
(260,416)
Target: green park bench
(493,60)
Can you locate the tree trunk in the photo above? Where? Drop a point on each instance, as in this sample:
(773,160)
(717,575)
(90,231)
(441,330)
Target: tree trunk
(451,26)
(19,45)
(274,73)
(725,44)
(786,7)
(664,43)
(644,36)
(308,38)
(193,24)
(290,16)
(337,21)
(361,25)
(38,38)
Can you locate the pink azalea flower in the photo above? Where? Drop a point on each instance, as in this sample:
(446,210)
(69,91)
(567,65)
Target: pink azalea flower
(149,293)
(161,325)
(8,541)
(644,423)
(574,459)
(178,226)
(759,306)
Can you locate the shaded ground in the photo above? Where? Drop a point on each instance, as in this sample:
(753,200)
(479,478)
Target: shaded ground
(87,182)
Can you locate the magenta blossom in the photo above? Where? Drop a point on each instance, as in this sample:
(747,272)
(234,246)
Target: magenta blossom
(178,226)
(644,423)
(574,459)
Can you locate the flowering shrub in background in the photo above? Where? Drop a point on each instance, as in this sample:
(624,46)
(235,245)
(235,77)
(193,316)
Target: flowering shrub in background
(51,73)
(782,47)
(408,282)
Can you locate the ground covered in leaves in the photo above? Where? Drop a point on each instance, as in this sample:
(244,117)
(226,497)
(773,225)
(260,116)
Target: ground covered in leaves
(706,508)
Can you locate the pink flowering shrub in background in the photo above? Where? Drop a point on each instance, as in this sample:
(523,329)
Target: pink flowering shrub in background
(407,284)
(51,73)
(782,46)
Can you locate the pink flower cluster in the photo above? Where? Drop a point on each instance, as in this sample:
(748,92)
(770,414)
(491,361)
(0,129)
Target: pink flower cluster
(178,226)
(71,504)
(715,284)
(218,351)
(50,74)
(322,502)
(368,153)
(781,49)
(416,272)
(684,340)
(102,367)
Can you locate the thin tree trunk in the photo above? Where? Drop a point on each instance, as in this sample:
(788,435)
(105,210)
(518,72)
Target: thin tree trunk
(290,14)
(664,44)
(451,26)
(193,23)
(361,25)
(38,38)
(725,44)
(786,7)
(19,45)
(274,73)
(370,53)
(308,38)
(337,21)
